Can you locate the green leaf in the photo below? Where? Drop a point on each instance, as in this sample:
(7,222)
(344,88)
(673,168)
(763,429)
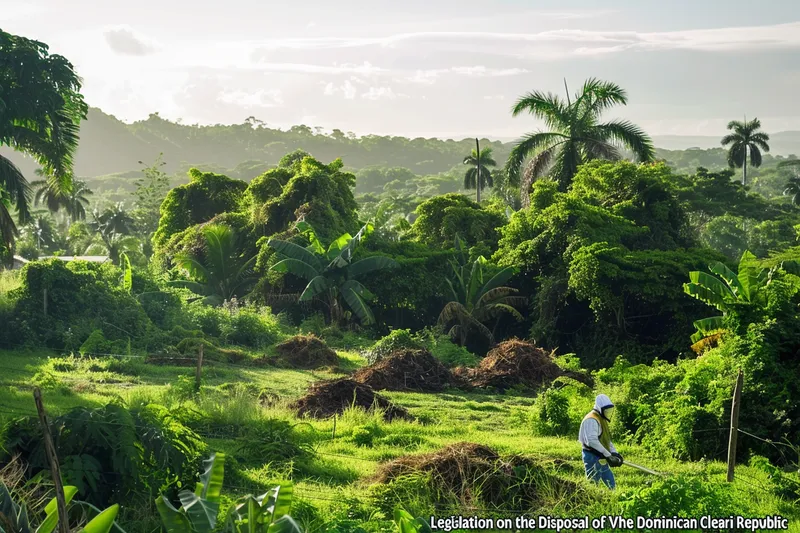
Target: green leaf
(306,229)
(354,293)
(173,520)
(316,286)
(728,275)
(280,500)
(103,522)
(212,477)
(338,245)
(370,264)
(294,251)
(709,325)
(127,277)
(299,268)
(285,524)
(51,510)
(201,513)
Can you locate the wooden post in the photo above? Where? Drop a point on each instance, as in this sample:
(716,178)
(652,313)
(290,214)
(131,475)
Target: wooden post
(333,436)
(52,458)
(737,400)
(44,301)
(199,372)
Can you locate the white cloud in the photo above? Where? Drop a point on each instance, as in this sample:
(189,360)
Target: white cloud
(259,98)
(347,89)
(429,77)
(382,93)
(494,97)
(125,41)
(580,42)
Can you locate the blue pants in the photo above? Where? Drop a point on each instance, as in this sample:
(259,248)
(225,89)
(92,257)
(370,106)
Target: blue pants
(596,471)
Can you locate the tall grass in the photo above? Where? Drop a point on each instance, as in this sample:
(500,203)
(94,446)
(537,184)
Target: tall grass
(9,280)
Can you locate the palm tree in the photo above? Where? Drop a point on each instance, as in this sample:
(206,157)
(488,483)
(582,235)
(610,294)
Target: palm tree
(223,273)
(114,218)
(793,189)
(479,176)
(476,299)
(576,135)
(41,228)
(745,138)
(115,244)
(331,273)
(41,110)
(74,201)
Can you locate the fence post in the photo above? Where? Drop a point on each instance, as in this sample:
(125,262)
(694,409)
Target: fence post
(199,371)
(737,400)
(52,458)
(44,301)
(333,436)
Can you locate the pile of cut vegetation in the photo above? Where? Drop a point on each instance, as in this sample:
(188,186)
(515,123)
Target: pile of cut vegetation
(306,351)
(515,362)
(327,398)
(406,370)
(469,474)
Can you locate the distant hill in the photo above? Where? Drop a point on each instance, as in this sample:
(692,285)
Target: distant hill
(111,147)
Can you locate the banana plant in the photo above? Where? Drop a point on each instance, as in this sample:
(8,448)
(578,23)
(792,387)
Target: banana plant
(14,517)
(722,289)
(268,513)
(406,523)
(199,509)
(331,272)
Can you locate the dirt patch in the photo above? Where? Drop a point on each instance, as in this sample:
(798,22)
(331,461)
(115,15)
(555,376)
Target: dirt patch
(476,475)
(327,398)
(406,370)
(307,351)
(515,362)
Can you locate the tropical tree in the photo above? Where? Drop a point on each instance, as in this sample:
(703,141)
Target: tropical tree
(40,110)
(222,273)
(575,135)
(745,138)
(114,218)
(478,175)
(477,299)
(115,244)
(41,230)
(723,289)
(331,273)
(793,189)
(74,201)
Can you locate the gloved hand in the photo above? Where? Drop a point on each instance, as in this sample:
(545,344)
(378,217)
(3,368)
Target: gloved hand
(614,461)
(618,456)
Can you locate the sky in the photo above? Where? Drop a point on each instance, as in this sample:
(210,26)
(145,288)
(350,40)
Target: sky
(445,68)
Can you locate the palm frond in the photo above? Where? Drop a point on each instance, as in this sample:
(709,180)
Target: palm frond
(629,135)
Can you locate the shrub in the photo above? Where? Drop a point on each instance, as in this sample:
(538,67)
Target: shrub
(683,496)
(252,327)
(97,344)
(396,340)
(551,414)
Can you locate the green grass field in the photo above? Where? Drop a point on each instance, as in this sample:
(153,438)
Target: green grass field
(334,480)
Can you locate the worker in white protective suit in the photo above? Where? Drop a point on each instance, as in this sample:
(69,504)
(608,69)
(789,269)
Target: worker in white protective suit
(595,437)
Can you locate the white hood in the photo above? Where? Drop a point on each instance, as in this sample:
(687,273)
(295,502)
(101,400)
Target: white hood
(601,402)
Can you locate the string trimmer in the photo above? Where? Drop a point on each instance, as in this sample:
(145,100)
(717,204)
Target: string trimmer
(643,469)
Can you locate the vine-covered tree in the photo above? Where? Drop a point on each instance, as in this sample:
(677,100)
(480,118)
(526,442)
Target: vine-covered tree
(745,140)
(576,135)
(40,110)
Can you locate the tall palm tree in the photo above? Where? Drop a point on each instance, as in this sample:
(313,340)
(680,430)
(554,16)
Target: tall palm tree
(41,109)
(478,175)
(575,135)
(115,218)
(223,272)
(745,138)
(115,244)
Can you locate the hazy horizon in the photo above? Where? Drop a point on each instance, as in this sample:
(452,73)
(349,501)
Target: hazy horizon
(449,69)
